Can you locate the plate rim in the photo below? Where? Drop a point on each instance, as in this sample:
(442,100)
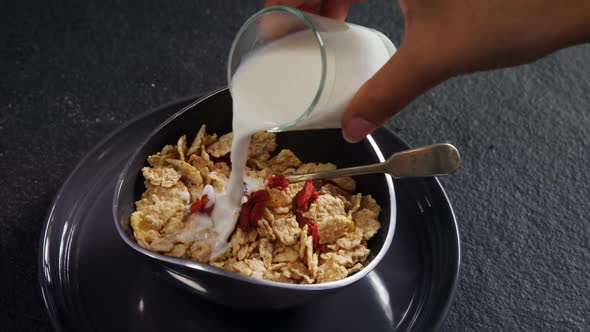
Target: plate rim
(452,290)
(457,273)
(48,296)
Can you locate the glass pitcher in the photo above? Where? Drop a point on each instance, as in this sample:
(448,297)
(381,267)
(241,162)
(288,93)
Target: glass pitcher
(299,70)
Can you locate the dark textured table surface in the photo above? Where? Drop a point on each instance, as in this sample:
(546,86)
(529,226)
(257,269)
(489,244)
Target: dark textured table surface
(72,71)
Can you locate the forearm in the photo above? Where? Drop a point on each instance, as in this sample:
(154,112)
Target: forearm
(580,30)
(445,38)
(569,23)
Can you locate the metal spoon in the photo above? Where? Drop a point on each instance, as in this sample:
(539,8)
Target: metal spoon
(430,160)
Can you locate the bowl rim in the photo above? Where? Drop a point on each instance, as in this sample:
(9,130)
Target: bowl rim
(205,267)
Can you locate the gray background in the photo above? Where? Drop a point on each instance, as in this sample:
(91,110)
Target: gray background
(72,71)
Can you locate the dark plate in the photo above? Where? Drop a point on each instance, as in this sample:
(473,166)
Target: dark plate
(91,280)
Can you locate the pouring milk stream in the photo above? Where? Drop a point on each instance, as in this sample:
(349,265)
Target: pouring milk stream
(302,80)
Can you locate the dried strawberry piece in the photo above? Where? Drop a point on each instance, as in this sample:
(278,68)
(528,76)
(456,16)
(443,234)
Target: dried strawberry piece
(209,209)
(244,221)
(315,235)
(253,209)
(314,231)
(303,221)
(258,200)
(301,202)
(256,213)
(199,205)
(305,197)
(278,181)
(260,196)
(196,206)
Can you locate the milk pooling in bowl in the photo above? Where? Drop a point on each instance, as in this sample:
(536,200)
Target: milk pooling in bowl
(302,80)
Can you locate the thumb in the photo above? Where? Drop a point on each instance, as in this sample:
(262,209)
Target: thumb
(403,78)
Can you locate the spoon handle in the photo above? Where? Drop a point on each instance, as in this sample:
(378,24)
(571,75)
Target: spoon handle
(338,173)
(430,160)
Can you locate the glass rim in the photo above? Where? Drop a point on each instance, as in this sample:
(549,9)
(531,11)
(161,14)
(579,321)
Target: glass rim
(313,28)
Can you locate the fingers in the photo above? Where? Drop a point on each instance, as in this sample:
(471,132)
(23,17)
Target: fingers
(312,6)
(403,78)
(279,24)
(290,3)
(336,9)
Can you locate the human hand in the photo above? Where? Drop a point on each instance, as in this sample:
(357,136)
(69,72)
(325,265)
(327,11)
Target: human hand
(335,9)
(275,26)
(445,38)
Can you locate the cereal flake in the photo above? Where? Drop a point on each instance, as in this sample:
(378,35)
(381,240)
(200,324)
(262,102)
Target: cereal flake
(187,171)
(284,160)
(286,230)
(367,222)
(221,147)
(331,228)
(161,176)
(261,145)
(325,206)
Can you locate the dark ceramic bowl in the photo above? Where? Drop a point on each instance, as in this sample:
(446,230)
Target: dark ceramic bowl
(231,288)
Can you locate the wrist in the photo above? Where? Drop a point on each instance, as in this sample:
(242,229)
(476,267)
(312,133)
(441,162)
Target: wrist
(586,23)
(576,23)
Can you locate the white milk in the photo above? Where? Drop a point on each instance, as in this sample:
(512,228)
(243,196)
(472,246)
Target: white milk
(275,84)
